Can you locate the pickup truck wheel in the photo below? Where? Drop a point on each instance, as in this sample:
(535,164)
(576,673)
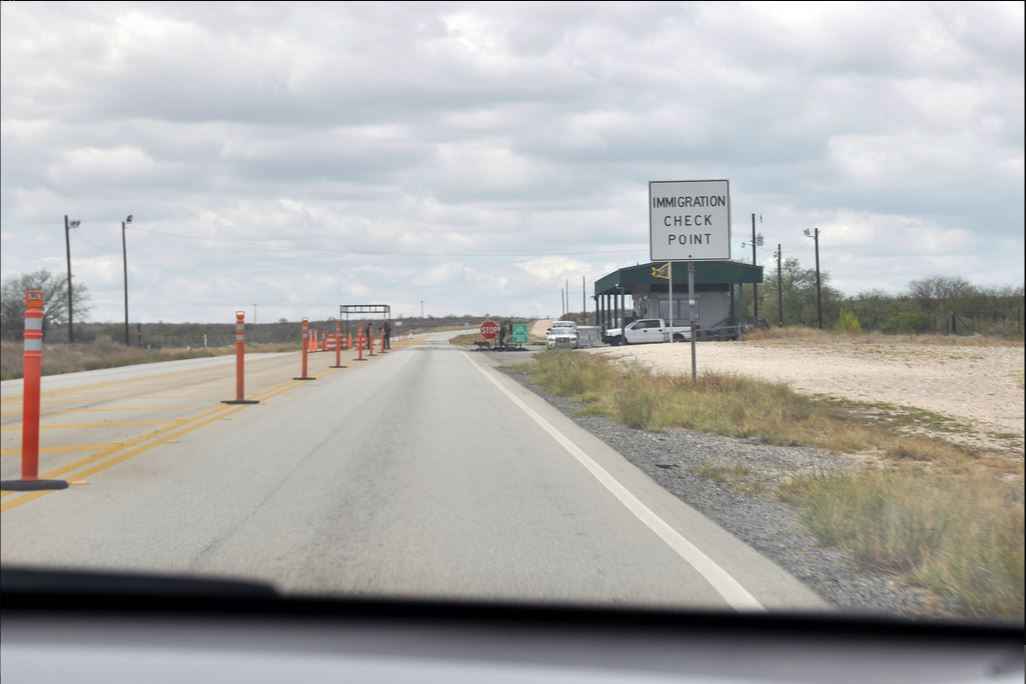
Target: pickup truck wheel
(677,337)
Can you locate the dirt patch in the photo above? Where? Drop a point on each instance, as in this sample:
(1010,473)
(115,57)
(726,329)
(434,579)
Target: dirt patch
(976,386)
(539,327)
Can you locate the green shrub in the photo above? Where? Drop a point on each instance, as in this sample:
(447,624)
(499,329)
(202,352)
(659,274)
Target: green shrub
(848,322)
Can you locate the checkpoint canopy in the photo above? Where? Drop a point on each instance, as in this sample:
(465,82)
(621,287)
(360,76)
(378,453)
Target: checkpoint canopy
(689,220)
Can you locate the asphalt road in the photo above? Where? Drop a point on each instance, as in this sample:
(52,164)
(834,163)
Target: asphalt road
(422,472)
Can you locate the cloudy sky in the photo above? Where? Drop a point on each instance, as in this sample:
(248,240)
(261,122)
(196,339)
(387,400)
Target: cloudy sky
(295,157)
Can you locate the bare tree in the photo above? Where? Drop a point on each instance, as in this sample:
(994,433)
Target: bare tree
(55,294)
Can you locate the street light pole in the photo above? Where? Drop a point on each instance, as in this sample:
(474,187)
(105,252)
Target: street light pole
(819,287)
(814,234)
(124,257)
(780,288)
(68,225)
(755,286)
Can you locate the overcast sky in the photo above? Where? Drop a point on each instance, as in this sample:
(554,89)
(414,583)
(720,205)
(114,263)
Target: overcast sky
(295,157)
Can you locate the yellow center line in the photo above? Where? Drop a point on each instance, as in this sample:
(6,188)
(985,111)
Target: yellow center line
(112,449)
(91,426)
(119,409)
(176,378)
(138,446)
(62,449)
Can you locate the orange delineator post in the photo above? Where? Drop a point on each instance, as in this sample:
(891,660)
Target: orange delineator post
(338,345)
(304,347)
(32,370)
(359,346)
(240,362)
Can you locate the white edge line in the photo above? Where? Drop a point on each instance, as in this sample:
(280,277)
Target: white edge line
(721,580)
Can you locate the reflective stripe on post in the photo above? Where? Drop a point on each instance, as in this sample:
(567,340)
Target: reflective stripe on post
(240,361)
(32,370)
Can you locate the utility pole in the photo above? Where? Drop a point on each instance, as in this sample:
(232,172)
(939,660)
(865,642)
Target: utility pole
(124,256)
(584,296)
(254,314)
(422,308)
(755,286)
(68,225)
(780,288)
(814,234)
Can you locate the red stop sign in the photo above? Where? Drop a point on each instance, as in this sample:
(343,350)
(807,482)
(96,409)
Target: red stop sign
(489,329)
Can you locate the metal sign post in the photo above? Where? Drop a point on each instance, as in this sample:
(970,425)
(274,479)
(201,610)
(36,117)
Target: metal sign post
(691,315)
(669,271)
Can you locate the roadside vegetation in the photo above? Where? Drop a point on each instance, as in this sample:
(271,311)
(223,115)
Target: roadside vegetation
(466,340)
(804,334)
(103,353)
(939,305)
(940,515)
(958,535)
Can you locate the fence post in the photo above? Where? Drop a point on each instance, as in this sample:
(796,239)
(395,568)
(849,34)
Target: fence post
(240,361)
(32,370)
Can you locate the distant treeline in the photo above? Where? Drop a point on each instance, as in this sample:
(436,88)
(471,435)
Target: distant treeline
(939,304)
(162,335)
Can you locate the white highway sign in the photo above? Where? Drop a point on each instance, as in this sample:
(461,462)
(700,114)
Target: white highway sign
(689,220)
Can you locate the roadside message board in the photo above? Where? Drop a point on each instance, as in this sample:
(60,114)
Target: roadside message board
(689,220)
(489,330)
(519,333)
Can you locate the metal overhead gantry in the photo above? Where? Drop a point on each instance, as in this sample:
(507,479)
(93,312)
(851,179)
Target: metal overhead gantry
(344,310)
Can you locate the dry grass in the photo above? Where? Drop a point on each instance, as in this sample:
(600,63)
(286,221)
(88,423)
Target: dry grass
(731,405)
(62,358)
(960,537)
(794,334)
(466,340)
(941,515)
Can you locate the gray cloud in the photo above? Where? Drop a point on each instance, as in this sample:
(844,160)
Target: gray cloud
(477,156)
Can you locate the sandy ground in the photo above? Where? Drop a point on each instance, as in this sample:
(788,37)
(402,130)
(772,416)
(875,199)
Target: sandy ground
(539,327)
(981,386)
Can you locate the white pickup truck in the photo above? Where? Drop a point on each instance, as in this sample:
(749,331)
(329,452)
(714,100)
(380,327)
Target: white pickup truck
(648,330)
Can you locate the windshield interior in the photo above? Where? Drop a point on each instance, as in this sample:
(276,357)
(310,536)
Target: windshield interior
(689,306)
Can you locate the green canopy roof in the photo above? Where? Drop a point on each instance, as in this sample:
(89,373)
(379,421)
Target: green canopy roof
(706,273)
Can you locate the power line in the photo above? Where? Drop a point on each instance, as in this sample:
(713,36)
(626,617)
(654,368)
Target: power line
(276,245)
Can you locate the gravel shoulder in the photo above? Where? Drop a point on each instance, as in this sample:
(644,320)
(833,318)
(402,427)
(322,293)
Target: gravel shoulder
(731,481)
